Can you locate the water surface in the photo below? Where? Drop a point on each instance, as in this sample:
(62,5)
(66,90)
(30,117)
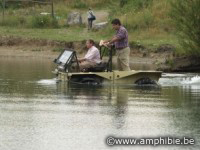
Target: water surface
(37,113)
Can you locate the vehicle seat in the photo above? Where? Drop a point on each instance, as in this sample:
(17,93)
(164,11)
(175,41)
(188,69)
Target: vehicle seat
(98,68)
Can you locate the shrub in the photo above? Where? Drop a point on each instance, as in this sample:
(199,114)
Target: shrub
(22,21)
(122,3)
(44,22)
(135,4)
(140,20)
(79,4)
(186,16)
(11,21)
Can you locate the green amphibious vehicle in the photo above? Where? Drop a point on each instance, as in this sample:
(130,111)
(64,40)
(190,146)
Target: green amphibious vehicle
(103,73)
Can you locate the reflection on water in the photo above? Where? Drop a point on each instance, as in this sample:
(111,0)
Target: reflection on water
(37,112)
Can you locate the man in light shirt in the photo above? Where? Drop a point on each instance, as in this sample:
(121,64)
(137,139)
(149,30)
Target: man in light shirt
(92,58)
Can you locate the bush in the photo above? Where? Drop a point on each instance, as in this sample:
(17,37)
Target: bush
(54,23)
(135,4)
(80,4)
(12,4)
(141,20)
(44,22)
(186,16)
(22,21)
(122,3)
(33,22)
(88,3)
(12,21)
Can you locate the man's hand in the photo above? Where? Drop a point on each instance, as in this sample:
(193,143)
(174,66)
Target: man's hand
(104,43)
(109,42)
(81,60)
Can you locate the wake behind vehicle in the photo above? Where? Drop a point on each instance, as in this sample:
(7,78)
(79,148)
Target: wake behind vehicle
(102,73)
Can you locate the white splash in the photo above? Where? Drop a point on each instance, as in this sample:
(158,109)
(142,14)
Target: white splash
(179,80)
(174,75)
(193,80)
(47,81)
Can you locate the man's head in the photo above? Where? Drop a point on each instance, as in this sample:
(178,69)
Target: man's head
(89,43)
(116,23)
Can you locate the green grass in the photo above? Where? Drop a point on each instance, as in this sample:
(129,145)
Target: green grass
(147,21)
(62,34)
(152,39)
(146,38)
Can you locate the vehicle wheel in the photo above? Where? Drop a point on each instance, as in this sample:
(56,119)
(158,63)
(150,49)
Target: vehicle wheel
(91,81)
(145,81)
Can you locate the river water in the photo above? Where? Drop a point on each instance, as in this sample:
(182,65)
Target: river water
(37,113)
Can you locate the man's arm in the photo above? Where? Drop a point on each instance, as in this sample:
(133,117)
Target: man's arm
(113,40)
(120,35)
(81,59)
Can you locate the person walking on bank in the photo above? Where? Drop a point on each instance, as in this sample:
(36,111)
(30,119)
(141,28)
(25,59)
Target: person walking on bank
(91,18)
(121,45)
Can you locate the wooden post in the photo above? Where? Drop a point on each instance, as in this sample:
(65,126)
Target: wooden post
(4,3)
(126,20)
(52,9)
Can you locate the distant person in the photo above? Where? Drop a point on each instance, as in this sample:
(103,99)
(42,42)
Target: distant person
(92,58)
(120,40)
(91,18)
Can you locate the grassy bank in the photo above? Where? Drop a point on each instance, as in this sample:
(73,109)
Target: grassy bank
(147,21)
(61,34)
(146,38)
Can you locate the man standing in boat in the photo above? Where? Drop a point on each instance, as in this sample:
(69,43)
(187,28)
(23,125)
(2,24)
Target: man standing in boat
(120,40)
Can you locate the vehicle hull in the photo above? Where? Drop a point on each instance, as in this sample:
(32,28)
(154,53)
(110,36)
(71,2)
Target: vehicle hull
(115,77)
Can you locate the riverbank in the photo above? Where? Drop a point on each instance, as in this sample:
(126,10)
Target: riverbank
(11,46)
(162,57)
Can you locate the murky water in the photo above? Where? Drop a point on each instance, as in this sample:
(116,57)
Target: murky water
(37,113)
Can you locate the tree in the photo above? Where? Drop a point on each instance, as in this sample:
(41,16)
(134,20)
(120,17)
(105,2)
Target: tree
(186,15)
(122,3)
